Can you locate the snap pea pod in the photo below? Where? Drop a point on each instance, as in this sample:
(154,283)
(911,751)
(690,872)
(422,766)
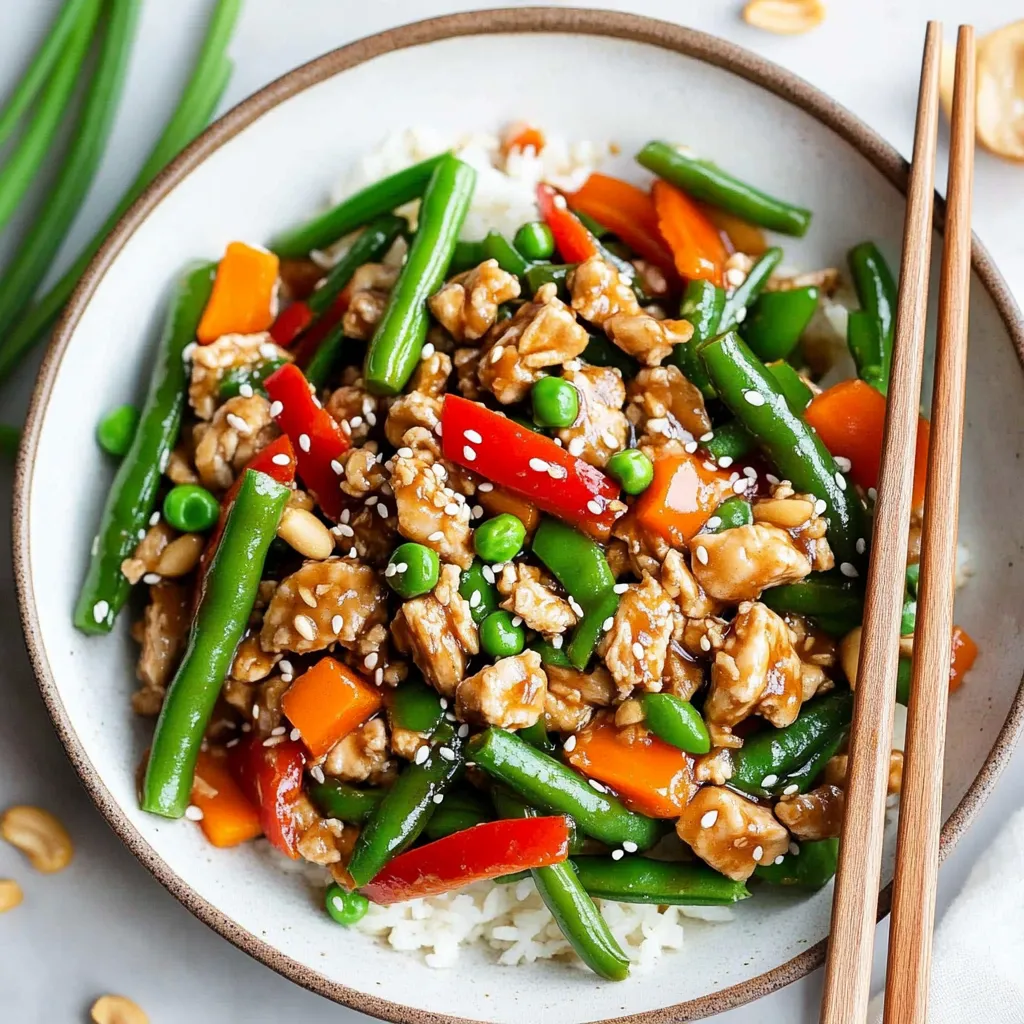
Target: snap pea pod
(498,247)
(319,367)
(810,868)
(792,385)
(767,756)
(415,706)
(864,340)
(334,799)
(589,629)
(466,255)
(753,396)
(702,306)
(827,600)
(705,181)
(549,785)
(601,352)
(372,244)
(481,594)
(381,197)
(738,301)
(461,809)
(676,721)
(776,320)
(642,880)
(226,600)
(132,496)
(733,512)
(803,778)
(876,290)
(537,736)
(404,812)
(580,921)
(235,379)
(395,348)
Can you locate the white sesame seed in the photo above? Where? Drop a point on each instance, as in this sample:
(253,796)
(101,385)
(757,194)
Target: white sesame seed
(469,454)
(382,511)
(710,466)
(618,854)
(849,569)
(100,610)
(702,554)
(422,753)
(235,742)
(474,436)
(557,472)
(282,460)
(750,473)
(758,852)
(344,530)
(570,744)
(608,623)
(436,536)
(791,789)
(372,499)
(861,545)
(725,461)
(594,784)
(819,507)
(405,452)
(151,578)
(556,642)
(305,627)
(779,859)
(488,573)
(355,422)
(497,567)
(771,478)
(620,588)
(245,390)
(447,753)
(629,846)
(304,443)
(705,644)
(352,552)
(638,650)
(575,606)
(708,819)
(193,813)
(443,702)
(740,485)
(141,534)
(255,711)
(610,440)
(714,523)
(517,620)
(476,512)
(576,446)
(378,676)
(463,731)
(294,735)
(754,398)
(595,507)
(427,351)
(402,567)
(486,487)
(370,661)
(278,730)
(840,481)
(276,408)
(690,447)
(154,519)
(844,464)
(438,798)
(390,570)
(317,772)
(451,509)
(474,599)
(439,428)
(769,780)
(497,352)
(872,494)
(538,465)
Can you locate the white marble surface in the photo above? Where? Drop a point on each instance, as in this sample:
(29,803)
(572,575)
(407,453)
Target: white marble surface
(105,924)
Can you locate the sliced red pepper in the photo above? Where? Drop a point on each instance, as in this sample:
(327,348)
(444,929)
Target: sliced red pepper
(290,323)
(529,464)
(626,211)
(315,434)
(572,239)
(481,852)
(271,779)
(322,326)
(277,460)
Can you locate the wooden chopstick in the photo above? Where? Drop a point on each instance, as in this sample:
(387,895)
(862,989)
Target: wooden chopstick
(848,968)
(917,845)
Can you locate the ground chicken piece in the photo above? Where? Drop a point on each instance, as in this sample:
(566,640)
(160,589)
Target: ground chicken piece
(334,601)
(251,663)
(730,833)
(814,815)
(683,676)
(468,304)
(651,278)
(681,585)
(179,466)
(361,755)
(796,513)
(239,429)
(635,647)
(147,553)
(362,473)
(529,593)
(736,565)
(826,280)
(757,670)
(373,652)
(162,632)
(258,703)
(431,374)
(817,652)
(467,363)
(646,550)
(617,554)
(646,338)
(320,843)
(542,333)
(664,405)
(429,510)
(599,291)
(438,632)
(370,289)
(715,767)
(601,428)
(373,537)
(428,445)
(414,409)
(510,693)
(230,352)
(835,771)
(355,409)
(405,742)
(700,638)
(572,697)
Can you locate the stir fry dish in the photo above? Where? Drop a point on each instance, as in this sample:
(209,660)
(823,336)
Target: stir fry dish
(539,554)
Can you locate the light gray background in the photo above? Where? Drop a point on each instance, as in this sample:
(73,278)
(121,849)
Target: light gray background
(105,925)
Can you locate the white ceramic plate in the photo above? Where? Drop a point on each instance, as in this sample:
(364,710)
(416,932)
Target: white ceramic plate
(269,164)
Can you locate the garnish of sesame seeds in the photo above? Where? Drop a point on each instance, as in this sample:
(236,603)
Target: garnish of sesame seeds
(570,744)
(618,854)
(276,408)
(629,846)
(708,819)
(849,569)
(754,398)
(769,780)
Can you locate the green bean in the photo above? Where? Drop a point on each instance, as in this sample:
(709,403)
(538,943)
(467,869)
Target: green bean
(792,385)
(225,604)
(823,599)
(132,497)
(320,366)
(738,301)
(589,629)
(551,655)
(676,721)
(237,377)
(549,273)
(461,809)
(776,320)
(729,442)
(801,779)
(537,734)
(356,210)
(601,352)
(876,290)
(465,256)
(705,181)
(702,306)
(498,247)
(642,880)
(335,799)
(810,868)
(395,348)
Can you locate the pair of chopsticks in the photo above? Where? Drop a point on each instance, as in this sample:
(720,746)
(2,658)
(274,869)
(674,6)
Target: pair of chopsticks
(848,970)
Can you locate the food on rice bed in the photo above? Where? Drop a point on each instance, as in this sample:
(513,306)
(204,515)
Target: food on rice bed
(497,535)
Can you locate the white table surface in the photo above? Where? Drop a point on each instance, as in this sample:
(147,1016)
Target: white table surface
(105,925)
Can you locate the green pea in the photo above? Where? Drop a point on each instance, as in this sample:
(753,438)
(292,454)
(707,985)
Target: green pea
(478,591)
(499,539)
(499,638)
(556,403)
(191,508)
(732,513)
(535,241)
(677,722)
(116,430)
(412,570)
(232,382)
(632,469)
(345,907)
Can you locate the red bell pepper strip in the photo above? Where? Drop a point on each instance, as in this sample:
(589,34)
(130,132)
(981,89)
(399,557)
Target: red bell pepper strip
(626,211)
(290,323)
(572,239)
(277,460)
(271,779)
(529,464)
(483,851)
(316,436)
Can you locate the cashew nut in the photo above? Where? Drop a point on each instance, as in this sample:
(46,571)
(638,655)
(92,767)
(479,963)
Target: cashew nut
(117,1010)
(39,835)
(784,17)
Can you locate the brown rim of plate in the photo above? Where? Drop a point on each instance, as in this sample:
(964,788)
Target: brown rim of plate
(689,42)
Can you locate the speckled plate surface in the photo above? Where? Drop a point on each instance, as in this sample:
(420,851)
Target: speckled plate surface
(267,164)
